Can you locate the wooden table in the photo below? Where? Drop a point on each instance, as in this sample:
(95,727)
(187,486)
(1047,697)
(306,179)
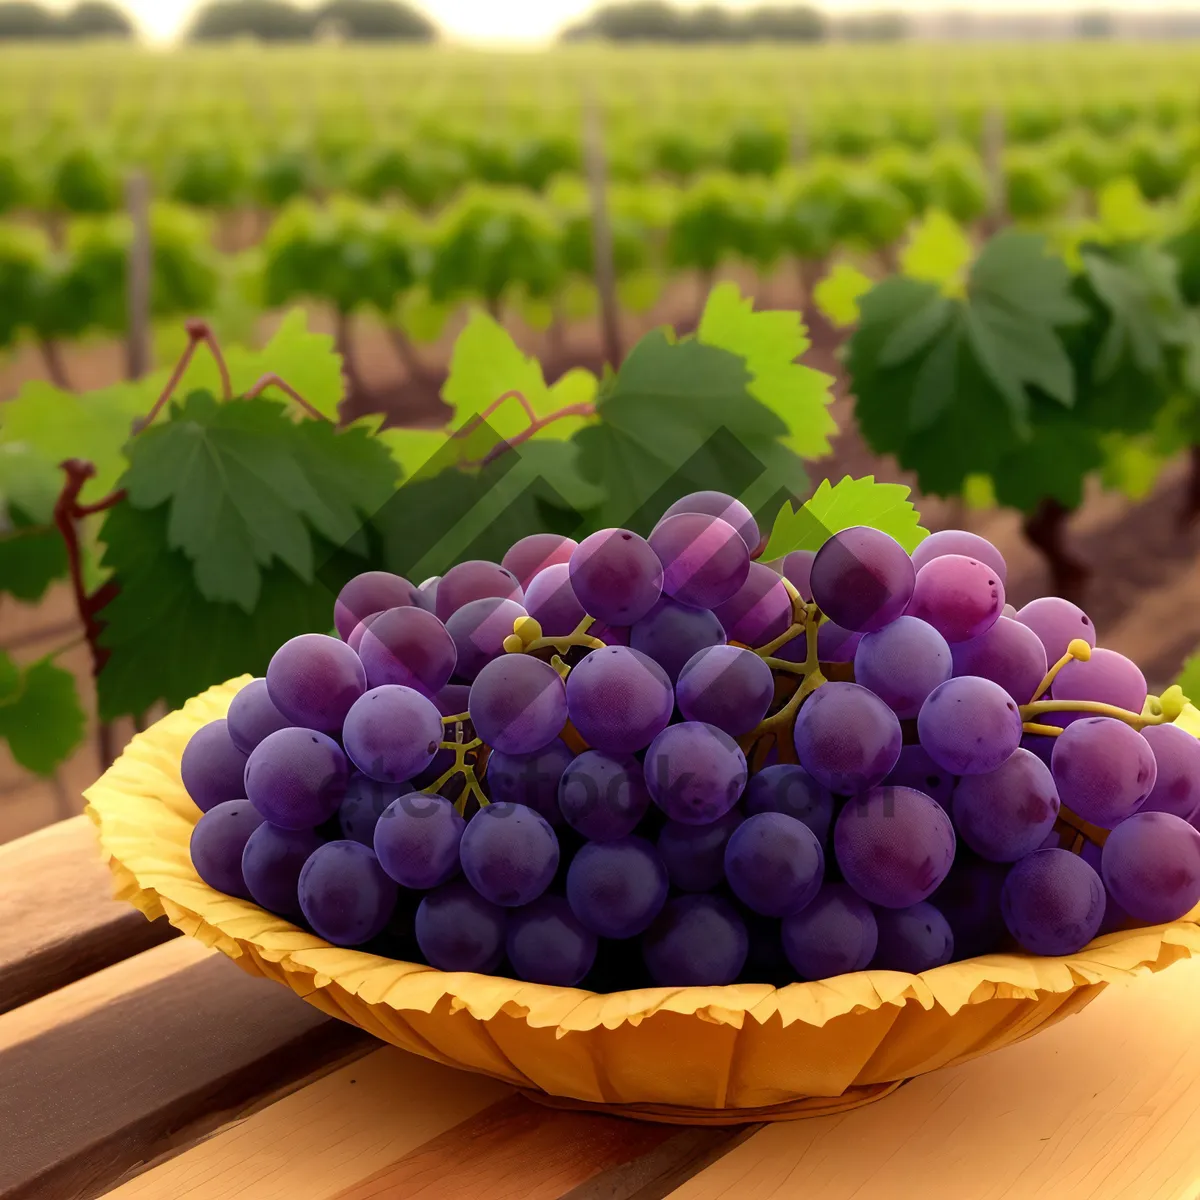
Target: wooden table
(139,1065)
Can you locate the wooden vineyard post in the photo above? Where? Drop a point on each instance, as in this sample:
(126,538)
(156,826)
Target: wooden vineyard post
(993,161)
(602,242)
(141,265)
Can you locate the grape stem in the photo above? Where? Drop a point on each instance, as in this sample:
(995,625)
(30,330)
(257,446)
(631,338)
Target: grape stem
(270,379)
(197,332)
(535,426)
(577,637)
(1094,707)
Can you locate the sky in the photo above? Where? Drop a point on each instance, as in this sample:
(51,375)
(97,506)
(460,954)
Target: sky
(537,21)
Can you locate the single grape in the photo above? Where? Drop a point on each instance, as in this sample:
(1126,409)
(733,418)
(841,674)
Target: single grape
(616,575)
(696,941)
(417,839)
(271,864)
(354,641)
(551,601)
(409,647)
(913,939)
(365,801)
(969,898)
(427,594)
(509,854)
(367,594)
(718,504)
(725,686)
(602,797)
(915,769)
(531,555)
(547,944)
(1107,677)
(1052,902)
(774,864)
(1177,781)
(530,779)
(478,630)
(959,541)
(1115,917)
(960,597)
(894,846)
(796,568)
(694,855)
(218,841)
(212,768)
(1007,813)
(695,772)
(1151,866)
(1009,654)
(902,663)
(1103,769)
(834,935)
(846,738)
(704,559)
(969,725)
(345,895)
(297,778)
(475,579)
(619,700)
(616,889)
(788,788)
(759,611)
(834,644)
(392,733)
(313,680)
(671,634)
(458,930)
(518,704)
(862,579)
(1057,622)
(252,716)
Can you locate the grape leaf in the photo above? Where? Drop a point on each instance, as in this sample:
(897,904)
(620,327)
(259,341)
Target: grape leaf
(770,343)
(41,719)
(834,507)
(838,294)
(1189,678)
(939,252)
(414,449)
(32,553)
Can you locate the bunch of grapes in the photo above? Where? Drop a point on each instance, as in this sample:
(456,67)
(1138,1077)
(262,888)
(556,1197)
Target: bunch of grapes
(659,761)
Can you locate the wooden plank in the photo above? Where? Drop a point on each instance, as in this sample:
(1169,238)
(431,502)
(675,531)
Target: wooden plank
(60,920)
(1104,1106)
(115,1069)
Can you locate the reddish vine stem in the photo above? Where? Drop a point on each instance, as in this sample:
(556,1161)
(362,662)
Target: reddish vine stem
(572,410)
(272,380)
(477,420)
(197,331)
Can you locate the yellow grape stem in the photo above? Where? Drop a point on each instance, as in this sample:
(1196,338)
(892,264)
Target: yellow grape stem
(1092,707)
(1076,649)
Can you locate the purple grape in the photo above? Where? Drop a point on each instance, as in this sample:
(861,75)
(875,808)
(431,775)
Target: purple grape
(314,679)
(862,579)
(774,864)
(616,889)
(417,839)
(534,554)
(1007,813)
(1151,867)
(696,941)
(796,568)
(218,841)
(695,772)
(427,594)
(345,895)
(475,579)
(365,801)
(1009,654)
(1057,622)
(894,846)
(1107,677)
(452,700)
(297,778)
(601,797)
(902,663)
(788,788)
(969,898)
(530,779)
(1177,782)
(409,647)
(367,594)
(619,700)
(960,542)
(518,704)
(912,939)
(271,864)
(1052,903)
(834,935)
(717,504)
(846,738)
(252,716)
(960,597)
(760,610)
(694,855)
(671,634)
(915,769)
(547,944)
(212,768)
(834,644)
(610,635)
(727,687)
(1103,769)
(969,726)
(509,854)
(392,733)
(354,641)
(458,930)
(704,559)
(616,575)
(551,601)
(478,630)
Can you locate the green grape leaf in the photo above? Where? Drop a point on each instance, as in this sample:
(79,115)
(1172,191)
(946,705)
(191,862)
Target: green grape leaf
(1189,678)
(1054,462)
(41,719)
(938,251)
(412,449)
(32,552)
(834,507)
(10,679)
(838,294)
(771,343)
(1131,464)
